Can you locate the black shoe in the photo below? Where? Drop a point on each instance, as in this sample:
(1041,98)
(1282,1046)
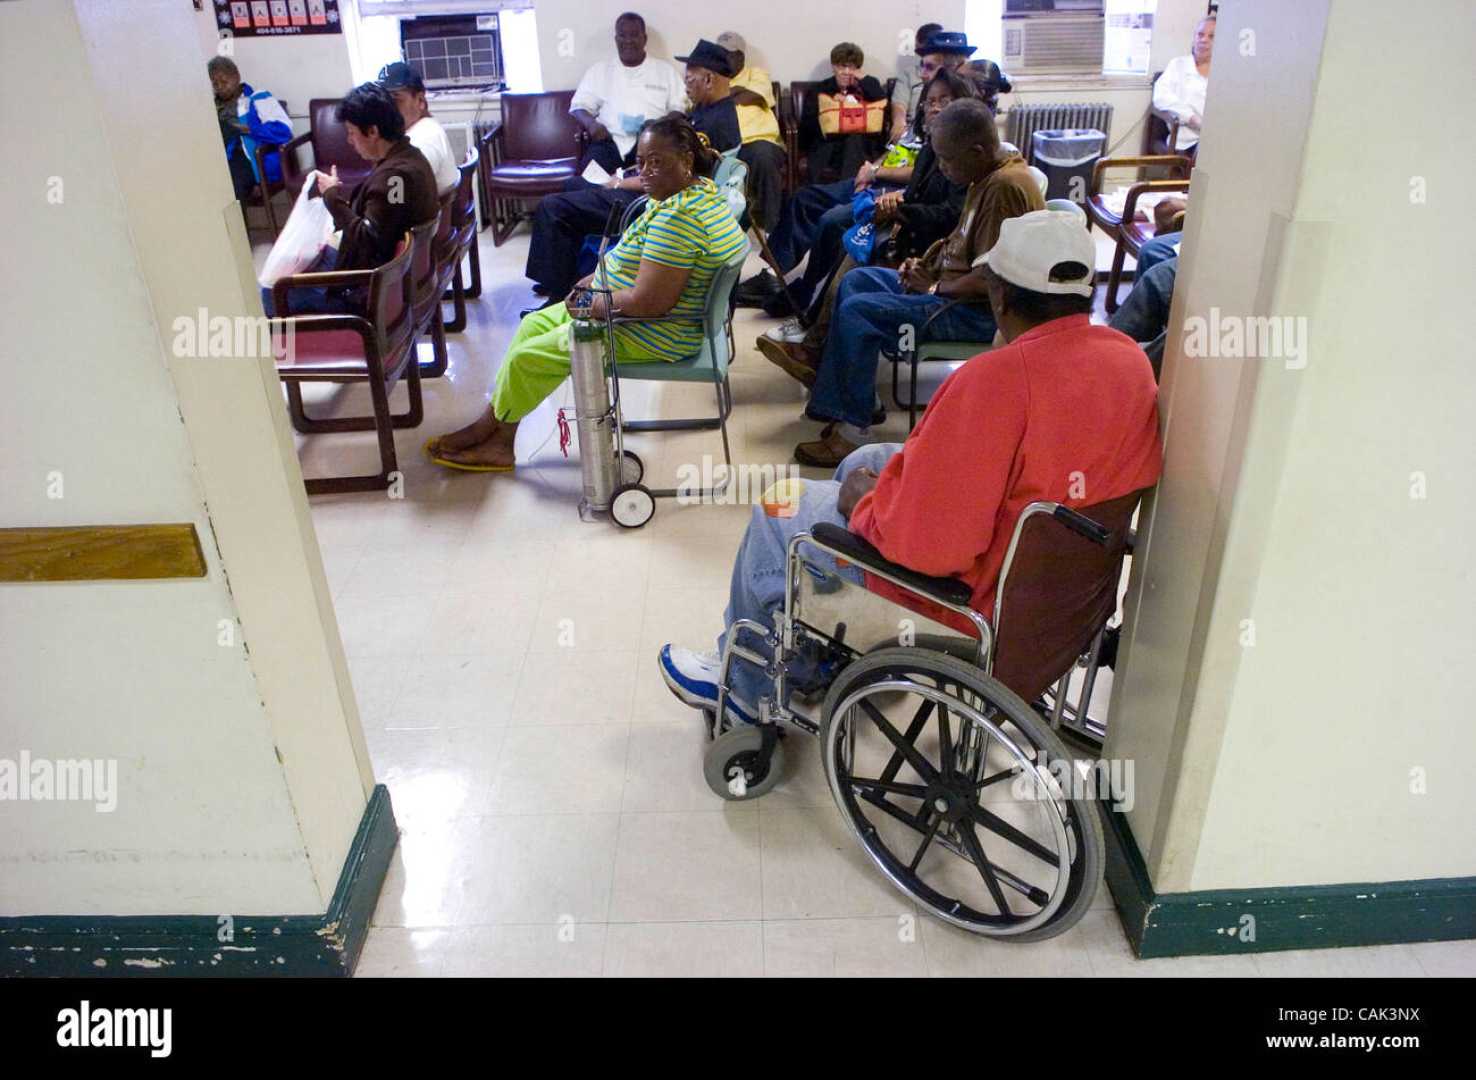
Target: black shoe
(781,305)
(757,289)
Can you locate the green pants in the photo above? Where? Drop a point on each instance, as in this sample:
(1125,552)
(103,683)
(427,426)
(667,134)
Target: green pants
(537,361)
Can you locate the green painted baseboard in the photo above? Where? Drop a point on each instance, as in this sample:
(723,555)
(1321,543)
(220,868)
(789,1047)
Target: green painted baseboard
(1223,922)
(191,945)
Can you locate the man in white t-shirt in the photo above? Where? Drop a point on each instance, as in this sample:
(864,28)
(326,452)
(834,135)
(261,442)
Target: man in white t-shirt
(1181,88)
(424,131)
(616,97)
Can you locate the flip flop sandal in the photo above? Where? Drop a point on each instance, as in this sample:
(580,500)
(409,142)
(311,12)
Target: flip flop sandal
(461,466)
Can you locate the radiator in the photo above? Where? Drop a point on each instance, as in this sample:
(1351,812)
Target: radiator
(1023,121)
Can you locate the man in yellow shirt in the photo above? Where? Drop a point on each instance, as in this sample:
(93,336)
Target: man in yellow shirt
(762,150)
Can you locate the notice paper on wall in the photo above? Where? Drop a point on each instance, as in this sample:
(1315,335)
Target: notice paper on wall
(276,18)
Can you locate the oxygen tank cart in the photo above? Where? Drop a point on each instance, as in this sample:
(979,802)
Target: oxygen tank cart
(611,473)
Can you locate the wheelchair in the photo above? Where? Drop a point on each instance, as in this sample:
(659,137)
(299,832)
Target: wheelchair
(958,790)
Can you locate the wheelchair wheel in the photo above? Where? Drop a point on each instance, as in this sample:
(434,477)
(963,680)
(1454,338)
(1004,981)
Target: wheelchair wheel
(952,785)
(738,766)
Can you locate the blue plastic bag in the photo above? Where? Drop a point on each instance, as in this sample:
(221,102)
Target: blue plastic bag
(860,239)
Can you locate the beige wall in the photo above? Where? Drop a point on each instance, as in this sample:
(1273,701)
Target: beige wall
(792,40)
(1298,627)
(241,769)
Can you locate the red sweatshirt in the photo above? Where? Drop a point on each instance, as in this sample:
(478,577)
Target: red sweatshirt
(1065,405)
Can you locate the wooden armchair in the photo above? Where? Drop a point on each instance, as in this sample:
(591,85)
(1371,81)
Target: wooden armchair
(1100,215)
(377,347)
(329,140)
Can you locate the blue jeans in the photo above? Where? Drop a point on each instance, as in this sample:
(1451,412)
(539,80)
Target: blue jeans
(1144,315)
(312,301)
(1158,250)
(757,588)
(870,311)
(800,220)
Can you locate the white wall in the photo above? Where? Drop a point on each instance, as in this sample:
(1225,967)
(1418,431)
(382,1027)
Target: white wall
(1285,511)
(295,67)
(241,767)
(792,40)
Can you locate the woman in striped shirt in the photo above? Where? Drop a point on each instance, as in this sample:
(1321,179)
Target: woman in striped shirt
(662,266)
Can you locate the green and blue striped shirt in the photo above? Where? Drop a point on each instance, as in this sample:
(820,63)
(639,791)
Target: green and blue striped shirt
(693,230)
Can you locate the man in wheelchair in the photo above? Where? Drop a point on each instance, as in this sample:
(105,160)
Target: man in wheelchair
(1065,412)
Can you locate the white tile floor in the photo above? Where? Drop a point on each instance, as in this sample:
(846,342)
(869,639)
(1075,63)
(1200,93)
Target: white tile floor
(555,821)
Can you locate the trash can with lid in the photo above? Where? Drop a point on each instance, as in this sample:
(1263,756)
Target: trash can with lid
(1064,154)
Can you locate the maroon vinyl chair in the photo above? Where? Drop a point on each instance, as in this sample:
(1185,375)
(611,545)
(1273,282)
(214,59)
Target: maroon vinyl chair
(377,347)
(425,288)
(531,152)
(461,245)
(329,140)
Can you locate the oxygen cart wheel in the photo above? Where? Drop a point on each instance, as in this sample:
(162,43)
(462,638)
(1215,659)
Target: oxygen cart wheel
(632,505)
(632,468)
(964,798)
(739,766)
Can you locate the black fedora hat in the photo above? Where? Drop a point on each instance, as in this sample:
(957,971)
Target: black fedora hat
(710,56)
(948,41)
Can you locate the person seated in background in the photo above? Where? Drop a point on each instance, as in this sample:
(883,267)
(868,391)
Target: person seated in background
(908,95)
(873,304)
(248,119)
(562,221)
(398,194)
(1061,399)
(907,223)
(616,97)
(762,150)
(849,98)
(820,209)
(663,265)
(1182,87)
(422,129)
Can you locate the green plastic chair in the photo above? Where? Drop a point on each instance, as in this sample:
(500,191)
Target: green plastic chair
(708,364)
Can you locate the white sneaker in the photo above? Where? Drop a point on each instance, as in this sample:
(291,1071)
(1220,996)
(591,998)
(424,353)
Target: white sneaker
(789,332)
(693,678)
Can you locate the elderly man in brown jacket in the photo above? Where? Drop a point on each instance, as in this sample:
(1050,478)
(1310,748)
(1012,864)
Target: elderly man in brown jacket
(874,307)
(398,194)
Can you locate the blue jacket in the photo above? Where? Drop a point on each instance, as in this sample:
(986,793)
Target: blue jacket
(268,123)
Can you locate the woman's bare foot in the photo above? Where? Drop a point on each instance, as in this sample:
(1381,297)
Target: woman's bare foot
(478,431)
(495,451)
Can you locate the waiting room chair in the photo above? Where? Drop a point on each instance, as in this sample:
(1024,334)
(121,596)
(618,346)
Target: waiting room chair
(426,288)
(1160,130)
(924,351)
(377,347)
(329,140)
(1111,223)
(462,245)
(531,152)
(708,364)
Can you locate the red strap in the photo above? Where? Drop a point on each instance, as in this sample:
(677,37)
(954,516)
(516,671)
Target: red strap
(564,435)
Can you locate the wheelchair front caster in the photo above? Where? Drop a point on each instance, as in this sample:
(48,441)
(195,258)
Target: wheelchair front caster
(632,506)
(743,762)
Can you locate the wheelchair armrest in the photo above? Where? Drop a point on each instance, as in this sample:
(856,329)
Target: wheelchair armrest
(945,590)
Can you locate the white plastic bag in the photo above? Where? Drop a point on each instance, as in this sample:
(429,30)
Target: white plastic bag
(308,228)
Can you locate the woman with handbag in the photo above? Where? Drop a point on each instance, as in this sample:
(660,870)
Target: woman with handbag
(845,120)
(904,223)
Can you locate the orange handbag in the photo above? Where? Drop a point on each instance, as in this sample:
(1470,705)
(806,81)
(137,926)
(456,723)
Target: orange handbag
(847,114)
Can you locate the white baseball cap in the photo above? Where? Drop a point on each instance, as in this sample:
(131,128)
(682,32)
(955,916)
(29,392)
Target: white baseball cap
(732,41)
(1031,245)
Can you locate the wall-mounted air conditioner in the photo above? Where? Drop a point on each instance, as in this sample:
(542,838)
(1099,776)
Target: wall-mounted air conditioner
(1053,36)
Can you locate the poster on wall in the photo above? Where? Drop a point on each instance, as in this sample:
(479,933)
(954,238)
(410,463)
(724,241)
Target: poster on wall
(272,18)
(1128,39)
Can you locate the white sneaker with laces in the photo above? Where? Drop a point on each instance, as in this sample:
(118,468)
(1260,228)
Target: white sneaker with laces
(693,678)
(789,332)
